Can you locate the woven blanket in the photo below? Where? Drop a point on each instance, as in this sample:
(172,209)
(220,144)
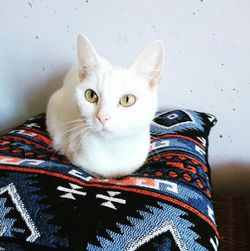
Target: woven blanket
(46,203)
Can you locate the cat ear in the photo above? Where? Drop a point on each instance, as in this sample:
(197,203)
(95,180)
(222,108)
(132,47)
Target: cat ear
(87,57)
(150,63)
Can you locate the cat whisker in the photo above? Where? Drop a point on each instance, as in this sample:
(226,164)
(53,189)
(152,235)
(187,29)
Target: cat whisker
(64,125)
(67,141)
(84,135)
(70,122)
(73,130)
(73,136)
(152,137)
(74,120)
(157,153)
(68,138)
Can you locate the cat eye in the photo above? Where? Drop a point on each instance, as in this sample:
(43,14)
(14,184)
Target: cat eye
(91,96)
(127,100)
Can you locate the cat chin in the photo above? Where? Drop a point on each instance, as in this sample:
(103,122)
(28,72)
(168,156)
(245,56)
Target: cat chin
(102,133)
(109,135)
(105,134)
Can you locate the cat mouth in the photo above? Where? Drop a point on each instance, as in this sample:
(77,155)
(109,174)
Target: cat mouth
(102,129)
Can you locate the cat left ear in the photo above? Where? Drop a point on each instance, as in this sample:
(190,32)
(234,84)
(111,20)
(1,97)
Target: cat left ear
(150,63)
(87,57)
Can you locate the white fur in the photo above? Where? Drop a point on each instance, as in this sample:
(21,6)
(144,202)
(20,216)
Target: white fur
(119,145)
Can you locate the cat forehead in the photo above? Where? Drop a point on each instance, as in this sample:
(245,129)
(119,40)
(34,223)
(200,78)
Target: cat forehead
(118,79)
(116,75)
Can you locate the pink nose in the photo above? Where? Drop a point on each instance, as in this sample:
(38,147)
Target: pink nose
(103,117)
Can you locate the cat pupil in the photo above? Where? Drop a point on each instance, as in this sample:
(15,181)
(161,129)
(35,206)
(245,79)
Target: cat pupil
(127,99)
(92,95)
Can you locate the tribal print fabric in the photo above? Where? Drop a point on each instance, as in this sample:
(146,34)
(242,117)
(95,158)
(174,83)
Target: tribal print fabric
(46,203)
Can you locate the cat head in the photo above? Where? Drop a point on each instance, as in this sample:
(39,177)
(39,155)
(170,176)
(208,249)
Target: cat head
(115,101)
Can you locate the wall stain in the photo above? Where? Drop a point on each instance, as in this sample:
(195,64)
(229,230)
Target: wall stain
(235,90)
(194,12)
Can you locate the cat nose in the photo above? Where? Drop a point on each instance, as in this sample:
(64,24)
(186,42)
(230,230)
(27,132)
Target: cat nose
(103,117)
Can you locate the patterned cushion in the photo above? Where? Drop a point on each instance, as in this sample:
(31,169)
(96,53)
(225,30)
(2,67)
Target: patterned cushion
(46,203)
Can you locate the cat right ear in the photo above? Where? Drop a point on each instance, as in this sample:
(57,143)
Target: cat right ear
(87,57)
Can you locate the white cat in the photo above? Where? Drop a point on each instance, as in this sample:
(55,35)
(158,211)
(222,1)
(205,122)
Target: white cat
(101,116)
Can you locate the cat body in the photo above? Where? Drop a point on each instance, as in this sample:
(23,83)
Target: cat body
(101,116)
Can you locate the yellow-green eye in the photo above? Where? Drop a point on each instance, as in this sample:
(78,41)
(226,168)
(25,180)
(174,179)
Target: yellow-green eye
(91,96)
(127,100)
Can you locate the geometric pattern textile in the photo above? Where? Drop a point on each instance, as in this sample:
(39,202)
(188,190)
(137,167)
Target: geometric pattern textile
(46,203)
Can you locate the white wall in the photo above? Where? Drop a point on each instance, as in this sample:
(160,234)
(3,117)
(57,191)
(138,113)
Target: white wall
(207,63)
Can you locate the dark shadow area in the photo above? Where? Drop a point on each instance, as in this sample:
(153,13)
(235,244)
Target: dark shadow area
(233,219)
(232,178)
(231,187)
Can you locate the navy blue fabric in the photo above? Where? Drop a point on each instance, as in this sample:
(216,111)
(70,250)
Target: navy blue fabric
(46,203)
